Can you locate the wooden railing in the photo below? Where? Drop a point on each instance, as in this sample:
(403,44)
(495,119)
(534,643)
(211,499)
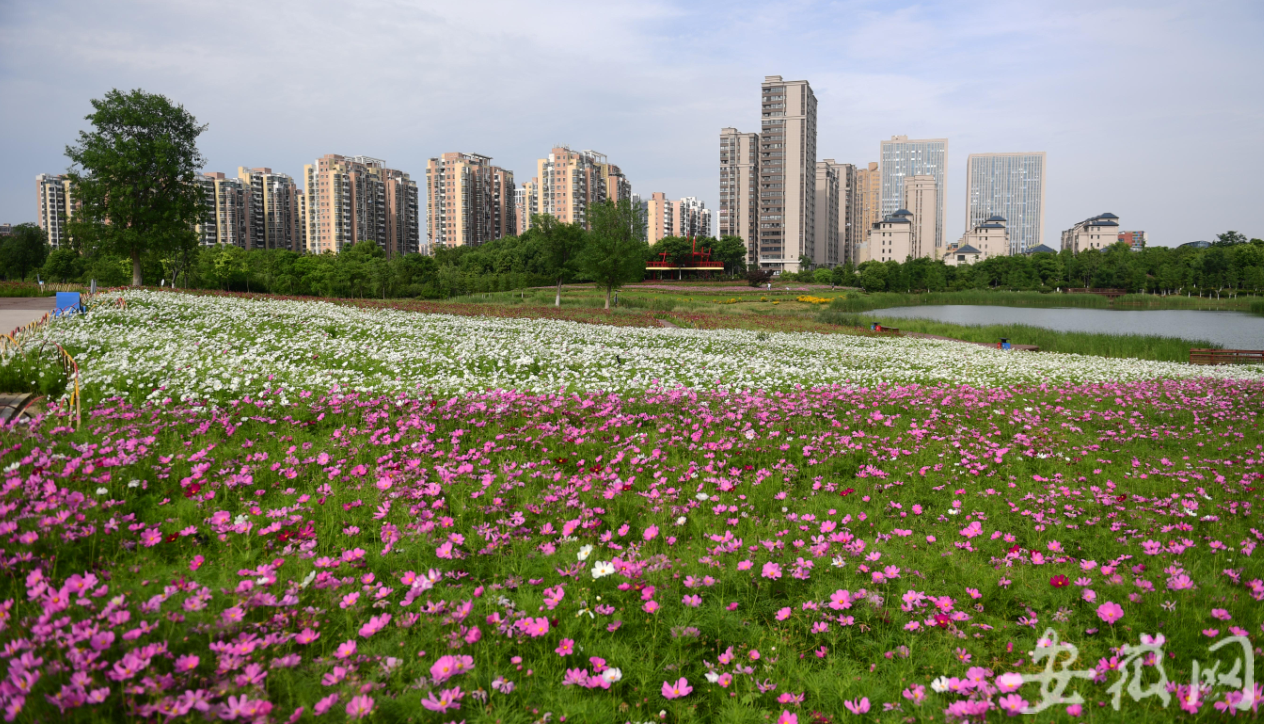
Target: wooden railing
(1226,356)
(1111,293)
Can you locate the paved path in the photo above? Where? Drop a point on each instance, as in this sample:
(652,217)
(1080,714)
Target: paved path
(17,311)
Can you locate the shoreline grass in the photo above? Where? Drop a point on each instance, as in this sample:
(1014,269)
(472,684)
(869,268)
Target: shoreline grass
(1135,346)
(885,300)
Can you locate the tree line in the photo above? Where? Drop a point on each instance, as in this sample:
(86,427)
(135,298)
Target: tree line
(1232,264)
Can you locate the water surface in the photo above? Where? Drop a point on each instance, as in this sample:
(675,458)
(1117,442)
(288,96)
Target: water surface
(1232,330)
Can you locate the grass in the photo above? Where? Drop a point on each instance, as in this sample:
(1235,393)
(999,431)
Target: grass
(31,289)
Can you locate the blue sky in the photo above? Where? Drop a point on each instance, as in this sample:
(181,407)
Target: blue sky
(1151,110)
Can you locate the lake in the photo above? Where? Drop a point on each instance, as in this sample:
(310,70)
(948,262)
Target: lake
(1232,330)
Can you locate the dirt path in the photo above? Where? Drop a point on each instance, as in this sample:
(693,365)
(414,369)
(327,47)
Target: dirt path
(665,323)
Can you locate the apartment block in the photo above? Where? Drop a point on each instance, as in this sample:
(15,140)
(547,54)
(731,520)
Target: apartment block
(825,250)
(891,239)
(1010,185)
(921,200)
(272,208)
(347,203)
(691,217)
(846,191)
(660,218)
(739,189)
(526,204)
(228,217)
(902,158)
(787,173)
(866,206)
(6,230)
(1095,232)
(572,181)
(504,209)
(1136,240)
(55,203)
(986,239)
(463,204)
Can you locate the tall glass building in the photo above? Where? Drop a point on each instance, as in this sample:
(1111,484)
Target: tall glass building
(1011,185)
(902,157)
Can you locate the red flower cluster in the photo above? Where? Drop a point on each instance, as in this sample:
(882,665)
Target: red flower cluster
(1059,581)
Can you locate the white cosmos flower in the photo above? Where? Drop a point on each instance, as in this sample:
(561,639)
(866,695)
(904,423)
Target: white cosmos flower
(601,569)
(612,675)
(940,684)
(702,496)
(712,677)
(680,520)
(585,552)
(102,491)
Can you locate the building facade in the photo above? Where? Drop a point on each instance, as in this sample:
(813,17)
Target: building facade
(227,217)
(659,217)
(921,199)
(347,203)
(824,249)
(55,202)
(902,158)
(272,209)
(469,201)
(787,173)
(739,189)
(690,217)
(866,207)
(987,239)
(1011,185)
(526,204)
(1136,240)
(1095,232)
(572,181)
(890,239)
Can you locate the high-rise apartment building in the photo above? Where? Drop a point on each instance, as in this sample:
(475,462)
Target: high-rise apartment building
(228,217)
(55,203)
(348,202)
(468,200)
(1011,185)
(787,172)
(660,221)
(691,217)
(825,250)
(272,209)
(571,181)
(739,189)
(847,233)
(1096,232)
(866,201)
(902,158)
(526,204)
(920,199)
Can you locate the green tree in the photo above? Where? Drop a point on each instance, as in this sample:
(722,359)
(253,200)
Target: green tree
(134,176)
(1230,238)
(873,278)
(23,251)
(63,265)
(732,251)
(616,249)
(561,245)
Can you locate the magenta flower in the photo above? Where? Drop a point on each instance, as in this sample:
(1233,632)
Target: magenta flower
(1110,612)
(693,601)
(771,571)
(676,690)
(858,707)
(565,648)
(787,718)
(650,533)
(345,649)
(840,599)
(360,707)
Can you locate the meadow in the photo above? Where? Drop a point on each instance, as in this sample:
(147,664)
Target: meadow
(296,511)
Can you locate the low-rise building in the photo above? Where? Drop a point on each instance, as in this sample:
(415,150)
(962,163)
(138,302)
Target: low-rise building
(1095,232)
(891,239)
(986,240)
(1136,240)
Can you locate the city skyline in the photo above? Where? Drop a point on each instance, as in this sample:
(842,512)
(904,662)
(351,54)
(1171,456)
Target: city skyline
(989,77)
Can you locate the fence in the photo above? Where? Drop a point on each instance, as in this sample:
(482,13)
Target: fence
(1226,356)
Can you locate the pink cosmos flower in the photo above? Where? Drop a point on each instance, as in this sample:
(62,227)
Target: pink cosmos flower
(858,707)
(325,704)
(1013,704)
(744,565)
(196,563)
(345,649)
(677,690)
(787,718)
(1110,612)
(1009,682)
(1220,613)
(650,606)
(783,614)
(693,601)
(565,648)
(650,533)
(771,571)
(187,663)
(840,599)
(359,707)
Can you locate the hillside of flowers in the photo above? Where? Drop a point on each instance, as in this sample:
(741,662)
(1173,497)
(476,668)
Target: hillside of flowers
(186,347)
(351,526)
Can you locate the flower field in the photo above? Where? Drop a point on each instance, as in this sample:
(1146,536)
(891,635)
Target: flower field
(190,347)
(304,512)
